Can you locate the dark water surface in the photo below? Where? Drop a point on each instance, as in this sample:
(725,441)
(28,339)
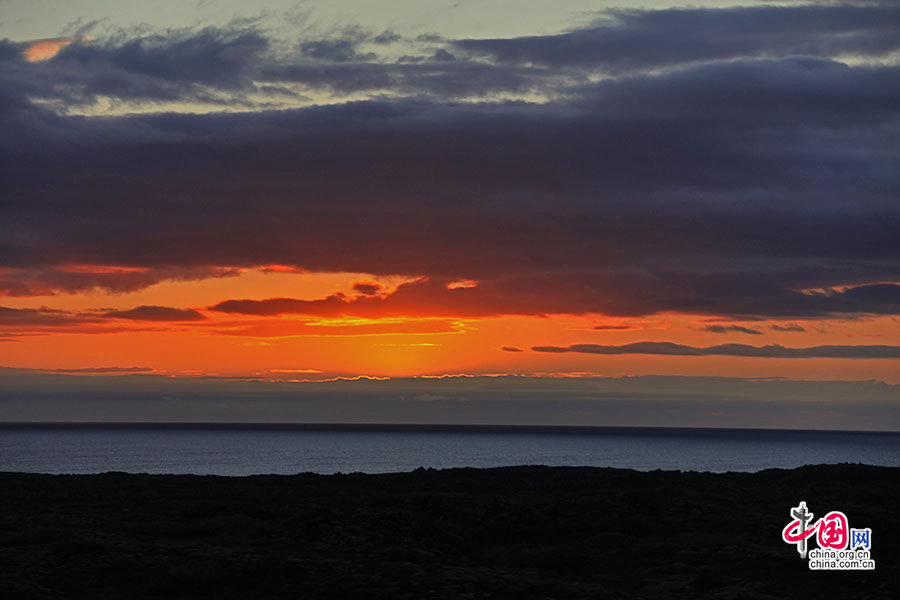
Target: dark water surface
(205,449)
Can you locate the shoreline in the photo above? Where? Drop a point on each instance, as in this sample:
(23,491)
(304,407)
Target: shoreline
(425,469)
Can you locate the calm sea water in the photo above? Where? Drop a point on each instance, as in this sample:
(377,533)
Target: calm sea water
(246,450)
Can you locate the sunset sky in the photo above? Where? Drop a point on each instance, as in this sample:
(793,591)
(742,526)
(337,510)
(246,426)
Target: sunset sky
(694,206)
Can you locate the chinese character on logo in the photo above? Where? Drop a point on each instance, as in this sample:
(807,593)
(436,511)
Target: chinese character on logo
(860,538)
(833,531)
(796,532)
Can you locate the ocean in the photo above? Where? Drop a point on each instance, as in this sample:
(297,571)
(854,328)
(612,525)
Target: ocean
(204,449)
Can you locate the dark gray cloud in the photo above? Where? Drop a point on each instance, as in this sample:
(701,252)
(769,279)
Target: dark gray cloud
(830,91)
(560,293)
(770,351)
(30,321)
(346,44)
(732,329)
(685,211)
(242,67)
(742,184)
(95,370)
(217,57)
(788,327)
(181,65)
(155,313)
(443,56)
(10,51)
(35,316)
(629,40)
(388,36)
(43,281)
(367,288)
(441,77)
(346,49)
(228,65)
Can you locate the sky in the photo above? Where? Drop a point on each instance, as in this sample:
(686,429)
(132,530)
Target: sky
(623,213)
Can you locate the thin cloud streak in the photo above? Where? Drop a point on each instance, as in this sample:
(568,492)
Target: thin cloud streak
(732,329)
(770,351)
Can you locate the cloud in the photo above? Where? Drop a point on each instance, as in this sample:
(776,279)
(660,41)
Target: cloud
(175,65)
(387,36)
(212,65)
(557,295)
(300,156)
(424,297)
(335,50)
(511,349)
(45,49)
(770,351)
(20,322)
(442,55)
(69,278)
(156,313)
(330,306)
(753,177)
(10,51)
(289,327)
(732,328)
(630,40)
(439,76)
(369,288)
(787,327)
(238,65)
(612,327)
(37,317)
(96,370)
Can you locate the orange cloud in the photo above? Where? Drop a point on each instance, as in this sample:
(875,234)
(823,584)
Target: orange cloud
(369,288)
(100,269)
(156,313)
(46,49)
(290,327)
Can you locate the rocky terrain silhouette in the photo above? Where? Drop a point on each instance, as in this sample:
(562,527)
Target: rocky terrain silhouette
(516,532)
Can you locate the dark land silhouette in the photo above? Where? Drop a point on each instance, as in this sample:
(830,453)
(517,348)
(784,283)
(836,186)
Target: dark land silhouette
(518,532)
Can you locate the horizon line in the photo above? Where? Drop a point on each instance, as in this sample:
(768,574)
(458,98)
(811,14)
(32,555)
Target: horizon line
(324,426)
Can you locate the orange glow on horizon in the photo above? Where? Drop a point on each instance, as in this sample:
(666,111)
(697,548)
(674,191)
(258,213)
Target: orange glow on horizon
(70,331)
